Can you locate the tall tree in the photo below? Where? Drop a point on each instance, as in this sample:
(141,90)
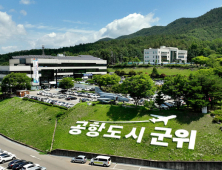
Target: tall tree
(175,87)
(15,81)
(66,83)
(138,87)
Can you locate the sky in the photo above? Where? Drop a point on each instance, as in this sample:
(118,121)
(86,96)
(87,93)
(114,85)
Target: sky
(29,24)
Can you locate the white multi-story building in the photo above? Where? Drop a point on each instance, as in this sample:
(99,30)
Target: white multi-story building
(46,69)
(165,55)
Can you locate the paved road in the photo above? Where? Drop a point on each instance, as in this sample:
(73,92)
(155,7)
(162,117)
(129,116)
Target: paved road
(57,162)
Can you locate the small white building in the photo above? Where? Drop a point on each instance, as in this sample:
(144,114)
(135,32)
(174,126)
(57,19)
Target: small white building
(165,55)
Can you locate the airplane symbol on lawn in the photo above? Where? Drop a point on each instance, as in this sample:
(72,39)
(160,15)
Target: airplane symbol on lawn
(162,118)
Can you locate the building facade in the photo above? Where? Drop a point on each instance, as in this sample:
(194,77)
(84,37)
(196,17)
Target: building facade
(47,70)
(165,55)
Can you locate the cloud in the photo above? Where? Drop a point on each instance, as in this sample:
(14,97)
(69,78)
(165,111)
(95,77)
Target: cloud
(52,34)
(1,7)
(12,10)
(9,29)
(23,12)
(26,2)
(75,22)
(9,48)
(123,26)
(56,37)
(128,25)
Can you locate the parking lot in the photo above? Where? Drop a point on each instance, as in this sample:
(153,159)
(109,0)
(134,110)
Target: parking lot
(34,93)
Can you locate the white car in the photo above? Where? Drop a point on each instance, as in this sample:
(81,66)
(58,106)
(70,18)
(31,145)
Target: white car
(6,157)
(29,166)
(1,168)
(38,168)
(101,160)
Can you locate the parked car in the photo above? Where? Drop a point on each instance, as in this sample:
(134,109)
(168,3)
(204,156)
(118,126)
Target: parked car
(47,89)
(92,89)
(101,160)
(21,164)
(6,157)
(12,163)
(70,105)
(61,96)
(80,158)
(168,104)
(29,166)
(38,168)
(162,106)
(63,90)
(71,98)
(85,99)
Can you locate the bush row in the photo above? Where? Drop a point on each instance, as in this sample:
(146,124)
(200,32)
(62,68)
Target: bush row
(47,104)
(186,66)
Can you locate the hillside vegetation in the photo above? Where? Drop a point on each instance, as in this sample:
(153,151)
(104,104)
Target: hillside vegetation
(200,36)
(33,124)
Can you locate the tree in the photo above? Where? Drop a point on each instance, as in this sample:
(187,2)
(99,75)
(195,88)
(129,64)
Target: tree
(66,83)
(212,62)
(15,81)
(204,89)
(154,72)
(175,87)
(122,73)
(159,98)
(78,79)
(200,60)
(132,73)
(138,87)
(90,81)
(106,80)
(117,72)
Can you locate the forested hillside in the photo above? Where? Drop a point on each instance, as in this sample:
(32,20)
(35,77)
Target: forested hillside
(200,36)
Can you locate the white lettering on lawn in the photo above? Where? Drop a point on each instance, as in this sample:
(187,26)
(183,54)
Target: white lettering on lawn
(181,134)
(113,133)
(133,134)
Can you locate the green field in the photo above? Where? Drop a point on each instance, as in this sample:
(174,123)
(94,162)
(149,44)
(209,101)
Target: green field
(28,122)
(33,124)
(164,70)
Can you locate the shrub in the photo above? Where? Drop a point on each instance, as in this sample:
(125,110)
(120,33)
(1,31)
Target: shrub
(149,104)
(215,120)
(122,73)
(162,75)
(154,73)
(25,98)
(132,73)
(117,72)
(59,115)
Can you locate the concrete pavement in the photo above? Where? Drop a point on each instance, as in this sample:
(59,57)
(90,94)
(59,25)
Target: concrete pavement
(57,162)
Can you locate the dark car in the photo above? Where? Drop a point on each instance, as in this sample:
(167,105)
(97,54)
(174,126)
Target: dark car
(20,165)
(12,163)
(71,98)
(63,91)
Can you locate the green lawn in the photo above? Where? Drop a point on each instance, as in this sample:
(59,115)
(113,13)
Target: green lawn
(33,124)
(28,122)
(160,70)
(208,141)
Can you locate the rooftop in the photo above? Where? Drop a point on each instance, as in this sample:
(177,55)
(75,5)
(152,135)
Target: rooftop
(80,57)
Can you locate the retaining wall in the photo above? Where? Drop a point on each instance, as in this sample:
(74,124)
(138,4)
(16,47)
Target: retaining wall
(178,165)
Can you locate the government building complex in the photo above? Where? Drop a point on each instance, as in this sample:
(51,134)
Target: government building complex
(46,70)
(165,55)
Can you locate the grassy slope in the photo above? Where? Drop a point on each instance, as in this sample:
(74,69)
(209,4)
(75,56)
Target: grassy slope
(28,122)
(33,124)
(161,70)
(208,142)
